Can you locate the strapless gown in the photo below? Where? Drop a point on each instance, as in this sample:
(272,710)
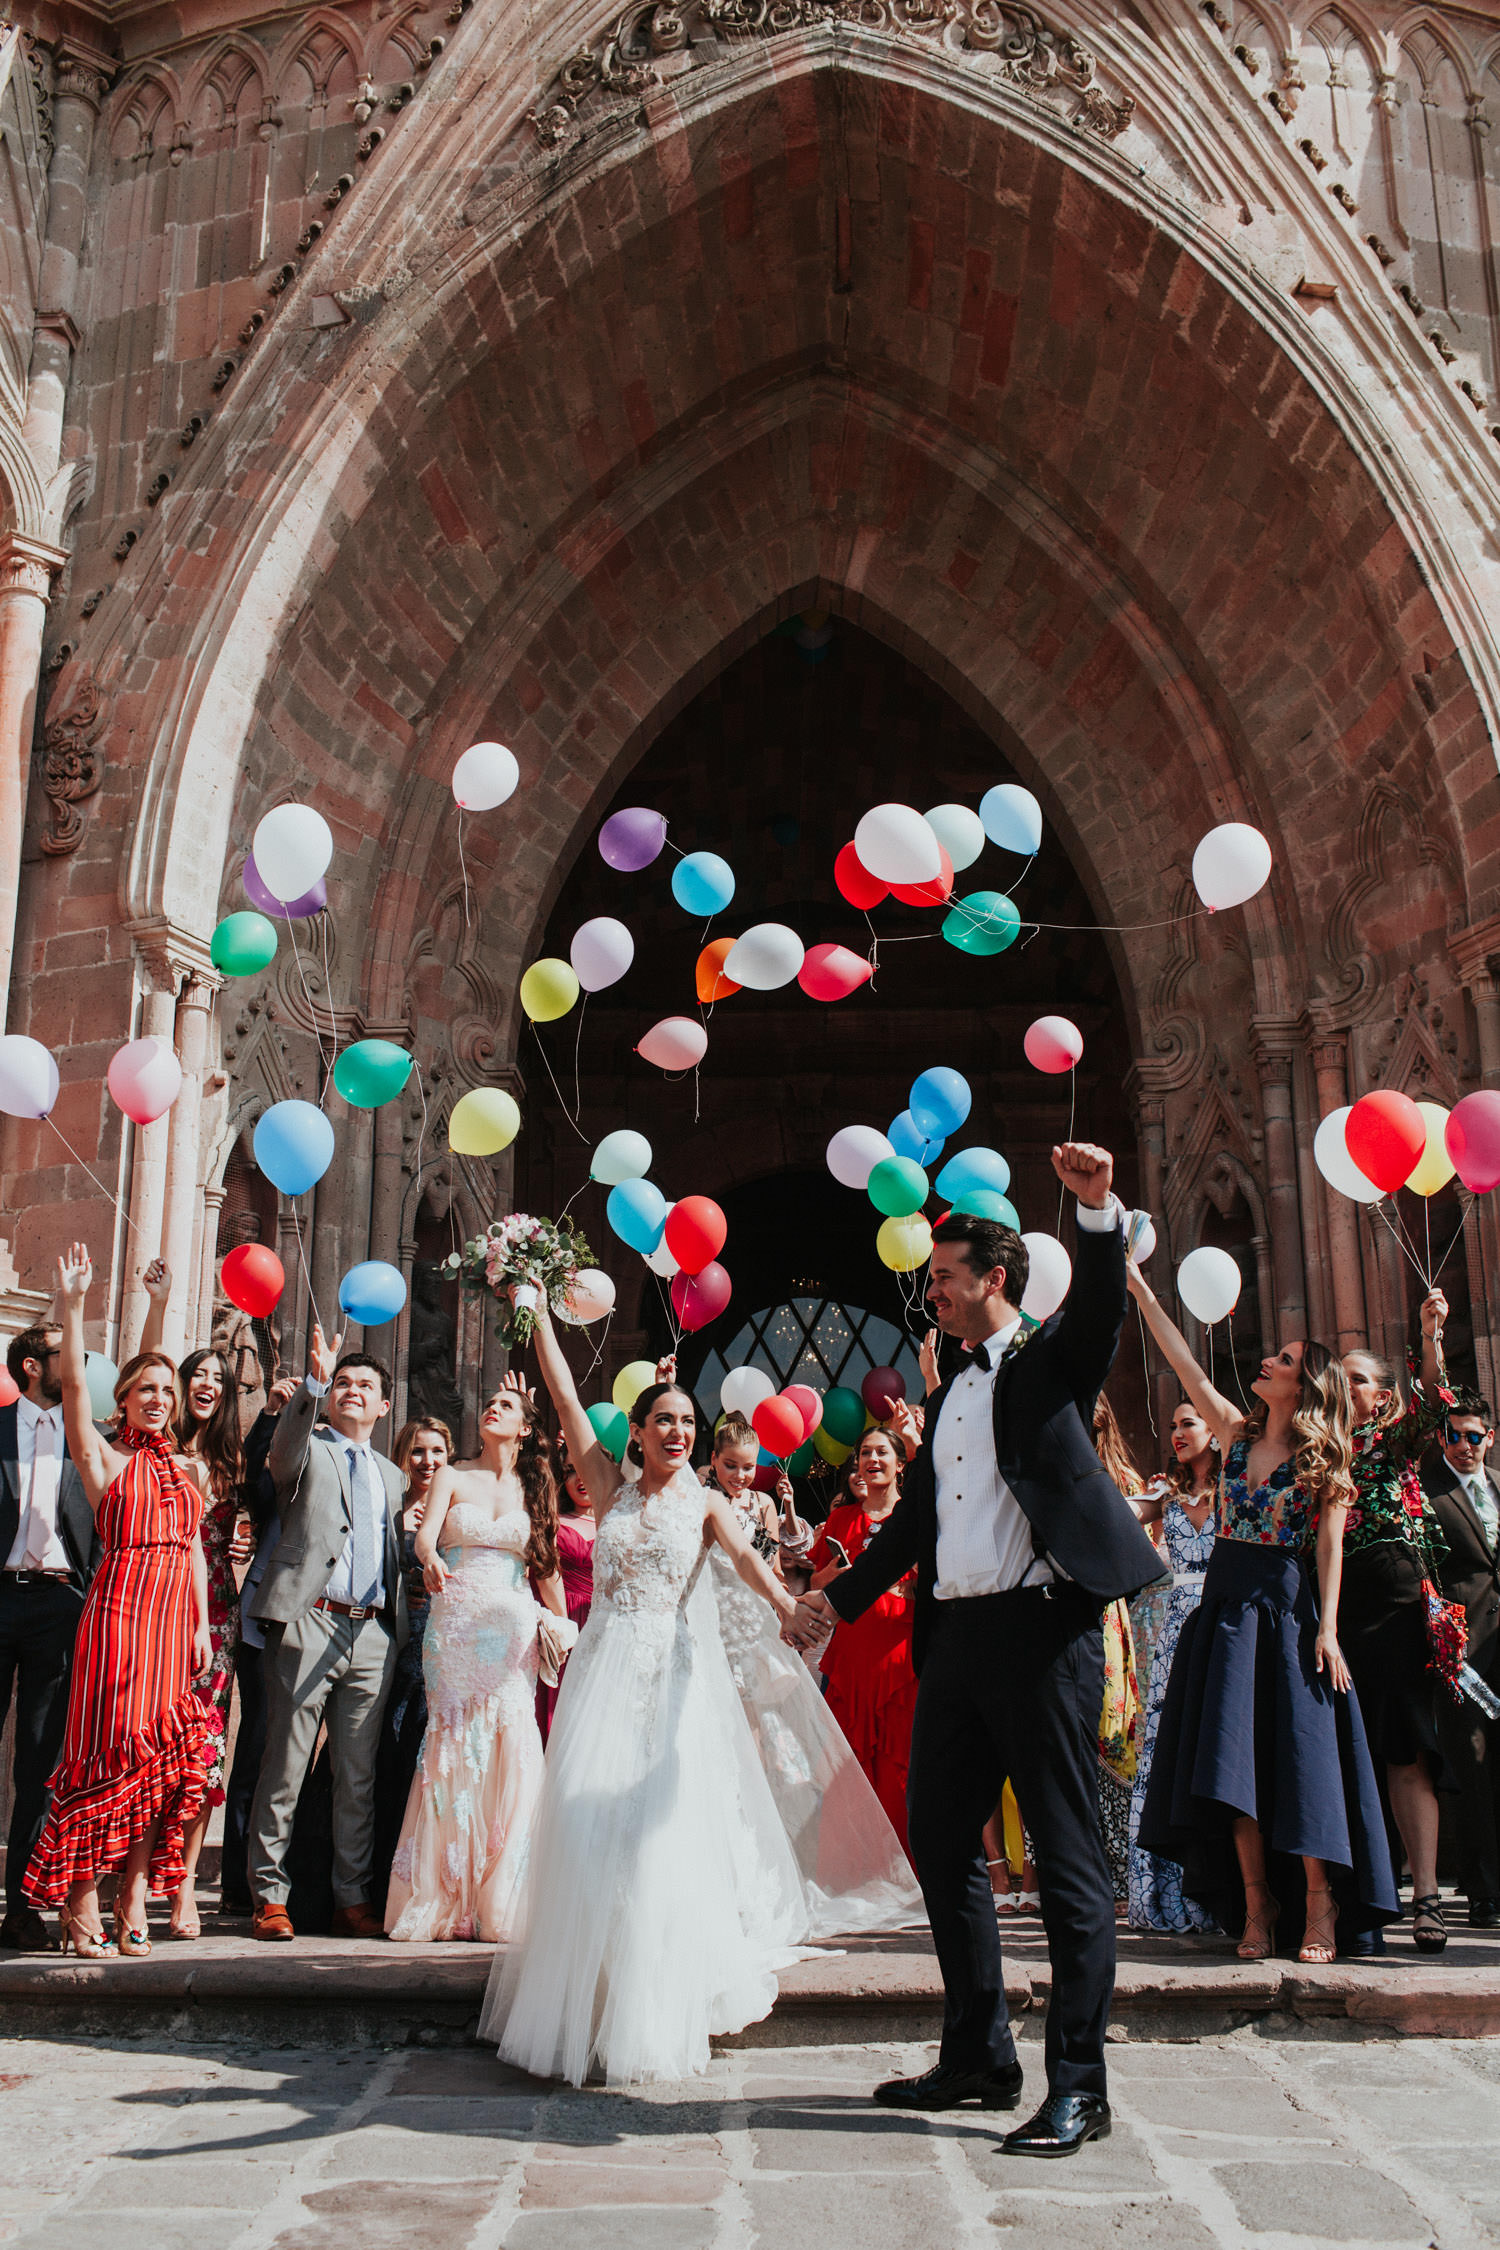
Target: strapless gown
(464,1841)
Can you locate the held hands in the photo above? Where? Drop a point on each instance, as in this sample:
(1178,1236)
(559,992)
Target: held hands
(810,1626)
(1086,1171)
(157,1281)
(1329,1657)
(75,1270)
(435,1574)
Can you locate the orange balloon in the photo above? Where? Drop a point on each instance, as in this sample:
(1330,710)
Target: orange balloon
(711,980)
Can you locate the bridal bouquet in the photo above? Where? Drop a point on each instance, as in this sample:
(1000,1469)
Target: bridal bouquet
(536,1256)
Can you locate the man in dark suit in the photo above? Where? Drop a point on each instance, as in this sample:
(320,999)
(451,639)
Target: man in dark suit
(1466,1500)
(1019,1539)
(49,1550)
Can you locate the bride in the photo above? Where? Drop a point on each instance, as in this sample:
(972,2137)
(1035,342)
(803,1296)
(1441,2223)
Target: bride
(661,1894)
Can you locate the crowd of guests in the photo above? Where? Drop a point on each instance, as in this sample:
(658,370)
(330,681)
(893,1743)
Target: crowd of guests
(1279,1717)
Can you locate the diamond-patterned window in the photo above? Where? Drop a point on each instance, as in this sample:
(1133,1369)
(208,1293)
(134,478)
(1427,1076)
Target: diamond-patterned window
(813,1340)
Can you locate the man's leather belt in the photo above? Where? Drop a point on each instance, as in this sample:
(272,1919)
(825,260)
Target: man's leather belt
(24,1577)
(357,1612)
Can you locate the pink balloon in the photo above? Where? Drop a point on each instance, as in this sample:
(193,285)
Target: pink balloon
(1472,1134)
(698,1298)
(676,1043)
(145,1079)
(1053,1044)
(832,972)
(804,1396)
(10,1389)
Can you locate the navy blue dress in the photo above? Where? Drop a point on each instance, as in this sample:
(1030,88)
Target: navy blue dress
(1249,1726)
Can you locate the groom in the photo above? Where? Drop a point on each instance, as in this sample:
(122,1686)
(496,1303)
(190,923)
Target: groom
(1019,1539)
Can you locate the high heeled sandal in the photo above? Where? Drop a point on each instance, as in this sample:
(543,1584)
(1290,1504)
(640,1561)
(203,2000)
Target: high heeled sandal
(89,1945)
(1260,1945)
(181,1927)
(133,1945)
(1428,1909)
(1320,1950)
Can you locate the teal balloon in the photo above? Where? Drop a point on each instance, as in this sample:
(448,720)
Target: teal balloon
(973,1168)
(843,1415)
(100,1376)
(987,1203)
(637,1211)
(908,1138)
(243,945)
(897,1186)
(984,922)
(703,883)
(293,1145)
(370,1072)
(611,1427)
(372,1293)
(803,1459)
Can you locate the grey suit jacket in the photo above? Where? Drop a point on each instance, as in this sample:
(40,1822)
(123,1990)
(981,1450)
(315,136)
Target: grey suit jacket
(311,1477)
(75,1518)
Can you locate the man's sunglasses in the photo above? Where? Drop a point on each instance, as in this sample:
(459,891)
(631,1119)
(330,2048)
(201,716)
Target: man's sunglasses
(1464,1437)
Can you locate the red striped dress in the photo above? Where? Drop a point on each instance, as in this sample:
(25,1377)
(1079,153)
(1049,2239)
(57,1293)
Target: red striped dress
(135,1749)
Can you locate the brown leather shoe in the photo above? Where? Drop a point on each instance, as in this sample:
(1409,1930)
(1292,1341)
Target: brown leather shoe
(356,1921)
(273,1923)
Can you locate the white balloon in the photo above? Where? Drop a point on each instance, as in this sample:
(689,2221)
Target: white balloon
(100,1376)
(766,957)
(1140,1236)
(622,1155)
(662,1261)
(1231,864)
(28,1077)
(1208,1282)
(601,952)
(1051,1276)
(854,1152)
(1012,818)
(591,1296)
(484,777)
(292,849)
(960,831)
(676,1043)
(895,845)
(743,1389)
(1331,1155)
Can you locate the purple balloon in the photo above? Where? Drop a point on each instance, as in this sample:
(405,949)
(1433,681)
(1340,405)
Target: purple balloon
(265,902)
(630,840)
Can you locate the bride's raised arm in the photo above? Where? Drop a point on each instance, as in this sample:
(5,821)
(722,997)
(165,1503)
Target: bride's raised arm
(596,1467)
(719,1517)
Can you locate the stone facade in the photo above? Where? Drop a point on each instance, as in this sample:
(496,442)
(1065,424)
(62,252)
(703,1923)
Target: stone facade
(377,378)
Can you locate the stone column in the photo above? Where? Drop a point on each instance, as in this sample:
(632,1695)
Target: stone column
(1328,1050)
(194,1029)
(1273,1048)
(159,973)
(202,1315)
(294,1303)
(1472,952)
(27,569)
(78,91)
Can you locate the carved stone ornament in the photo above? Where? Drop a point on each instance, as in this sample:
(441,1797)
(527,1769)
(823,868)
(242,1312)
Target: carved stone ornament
(624,61)
(72,763)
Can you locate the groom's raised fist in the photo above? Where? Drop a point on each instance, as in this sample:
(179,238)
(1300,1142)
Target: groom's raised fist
(1088,1172)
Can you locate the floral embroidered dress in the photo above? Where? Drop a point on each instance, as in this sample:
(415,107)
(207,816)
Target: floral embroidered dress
(1156,1897)
(214,1693)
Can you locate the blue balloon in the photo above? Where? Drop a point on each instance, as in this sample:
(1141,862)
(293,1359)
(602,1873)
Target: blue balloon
(973,1168)
(908,1139)
(293,1145)
(940,1102)
(372,1293)
(637,1210)
(1012,818)
(703,883)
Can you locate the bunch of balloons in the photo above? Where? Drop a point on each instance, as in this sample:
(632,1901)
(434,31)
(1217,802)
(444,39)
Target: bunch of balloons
(680,1241)
(1386,1141)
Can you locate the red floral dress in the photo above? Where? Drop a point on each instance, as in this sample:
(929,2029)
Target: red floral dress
(215,1692)
(134,1747)
(872,1688)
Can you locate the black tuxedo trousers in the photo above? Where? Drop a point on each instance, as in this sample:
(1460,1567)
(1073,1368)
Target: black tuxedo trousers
(1012,1688)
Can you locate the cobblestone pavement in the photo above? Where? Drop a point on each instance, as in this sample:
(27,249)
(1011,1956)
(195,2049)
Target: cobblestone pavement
(1256,2141)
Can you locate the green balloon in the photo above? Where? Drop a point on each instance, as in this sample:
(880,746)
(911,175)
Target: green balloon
(243,945)
(984,922)
(612,1429)
(843,1416)
(370,1072)
(897,1186)
(988,1203)
(802,1460)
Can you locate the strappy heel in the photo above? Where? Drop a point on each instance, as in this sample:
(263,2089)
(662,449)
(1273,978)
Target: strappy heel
(89,1945)
(1428,1909)
(133,1945)
(1319,1949)
(1259,1940)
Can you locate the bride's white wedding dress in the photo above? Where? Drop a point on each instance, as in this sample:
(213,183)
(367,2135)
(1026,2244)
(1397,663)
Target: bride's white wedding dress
(661,1894)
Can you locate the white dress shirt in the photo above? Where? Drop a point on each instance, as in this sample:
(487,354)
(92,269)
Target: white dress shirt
(38,1481)
(341,1587)
(984,1541)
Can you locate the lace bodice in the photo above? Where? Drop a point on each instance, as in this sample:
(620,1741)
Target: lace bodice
(469,1527)
(646,1550)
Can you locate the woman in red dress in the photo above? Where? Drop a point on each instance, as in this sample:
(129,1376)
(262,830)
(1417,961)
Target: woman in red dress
(872,1689)
(133,1768)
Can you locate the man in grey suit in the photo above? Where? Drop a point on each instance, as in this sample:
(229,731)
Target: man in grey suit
(333,1605)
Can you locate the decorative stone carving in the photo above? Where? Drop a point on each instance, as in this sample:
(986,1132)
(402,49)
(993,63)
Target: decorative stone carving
(72,762)
(623,62)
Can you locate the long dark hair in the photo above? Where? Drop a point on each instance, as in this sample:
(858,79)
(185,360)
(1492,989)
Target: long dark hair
(1110,1445)
(642,1408)
(851,1469)
(538,1488)
(216,1441)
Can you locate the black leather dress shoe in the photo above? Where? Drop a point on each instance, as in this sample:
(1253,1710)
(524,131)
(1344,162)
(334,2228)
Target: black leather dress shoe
(24,1931)
(1061,2126)
(943,2088)
(1484,1914)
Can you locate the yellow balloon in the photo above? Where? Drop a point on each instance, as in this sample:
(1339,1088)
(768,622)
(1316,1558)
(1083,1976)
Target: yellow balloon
(1434,1166)
(483,1121)
(904,1244)
(630,1382)
(834,1453)
(548,990)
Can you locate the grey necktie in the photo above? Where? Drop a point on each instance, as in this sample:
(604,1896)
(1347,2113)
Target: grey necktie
(38,1530)
(366,1572)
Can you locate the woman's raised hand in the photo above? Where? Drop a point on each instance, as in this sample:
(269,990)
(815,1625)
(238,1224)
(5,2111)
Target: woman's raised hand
(511,1381)
(157,1280)
(927,1360)
(666,1369)
(75,1271)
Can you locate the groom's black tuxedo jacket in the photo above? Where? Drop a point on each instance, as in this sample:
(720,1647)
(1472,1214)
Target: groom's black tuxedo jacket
(1044,1406)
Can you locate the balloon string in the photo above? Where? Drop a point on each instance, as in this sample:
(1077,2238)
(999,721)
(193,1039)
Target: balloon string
(667,1307)
(323,1061)
(302,1260)
(1377,1210)
(333,1021)
(464,865)
(1234,1365)
(1062,1191)
(1458,1234)
(599,1347)
(577,1052)
(1146,1364)
(421,1144)
(1100,929)
(99,1184)
(562,1098)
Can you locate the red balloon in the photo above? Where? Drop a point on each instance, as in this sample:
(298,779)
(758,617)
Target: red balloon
(697,1230)
(933,892)
(698,1298)
(778,1425)
(1473,1137)
(832,972)
(763,1477)
(10,1389)
(882,1391)
(253,1278)
(1385,1134)
(859,886)
(806,1398)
